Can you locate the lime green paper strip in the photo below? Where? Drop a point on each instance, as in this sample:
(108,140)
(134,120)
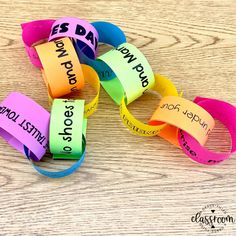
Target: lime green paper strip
(133,73)
(67,124)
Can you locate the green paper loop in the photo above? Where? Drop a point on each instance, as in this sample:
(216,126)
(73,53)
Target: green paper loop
(134,75)
(67,126)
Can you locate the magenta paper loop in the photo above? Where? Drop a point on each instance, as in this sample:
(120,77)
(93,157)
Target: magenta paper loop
(32,33)
(226,114)
(78,29)
(23,122)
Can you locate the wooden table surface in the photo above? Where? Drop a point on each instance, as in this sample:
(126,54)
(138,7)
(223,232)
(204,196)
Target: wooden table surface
(128,185)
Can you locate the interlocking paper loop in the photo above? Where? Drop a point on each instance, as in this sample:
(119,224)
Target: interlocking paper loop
(24,123)
(61,68)
(82,31)
(62,173)
(33,33)
(67,127)
(226,114)
(185,115)
(164,87)
(67,136)
(133,73)
(109,34)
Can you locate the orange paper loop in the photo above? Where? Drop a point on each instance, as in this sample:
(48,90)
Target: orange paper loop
(185,115)
(62,70)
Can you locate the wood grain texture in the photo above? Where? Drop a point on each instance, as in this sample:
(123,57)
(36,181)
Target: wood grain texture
(128,185)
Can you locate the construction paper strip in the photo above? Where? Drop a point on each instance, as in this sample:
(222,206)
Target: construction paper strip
(133,73)
(109,34)
(61,67)
(170,134)
(82,31)
(92,79)
(62,173)
(67,125)
(34,33)
(186,115)
(24,123)
(226,114)
(164,87)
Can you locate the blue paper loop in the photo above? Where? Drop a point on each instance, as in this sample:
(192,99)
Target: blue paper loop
(58,174)
(108,34)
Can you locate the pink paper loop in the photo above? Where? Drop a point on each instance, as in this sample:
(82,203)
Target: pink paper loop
(226,114)
(77,29)
(32,33)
